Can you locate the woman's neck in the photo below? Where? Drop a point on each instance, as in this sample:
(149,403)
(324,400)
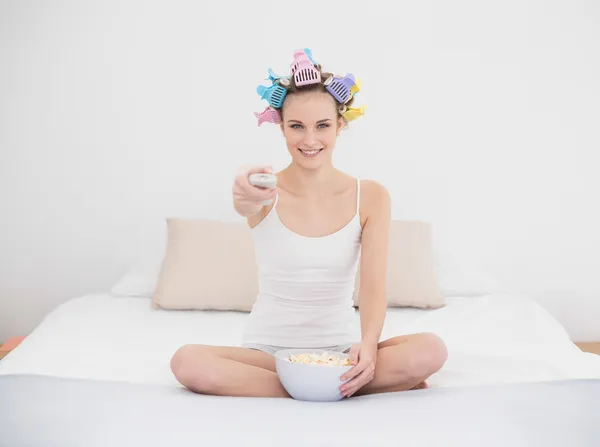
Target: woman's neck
(310,182)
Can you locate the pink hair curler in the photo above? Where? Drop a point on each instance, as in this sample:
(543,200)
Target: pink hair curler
(269,115)
(303,70)
(341,88)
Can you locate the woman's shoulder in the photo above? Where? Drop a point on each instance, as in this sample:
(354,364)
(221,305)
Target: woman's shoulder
(370,186)
(373,187)
(374,201)
(373,192)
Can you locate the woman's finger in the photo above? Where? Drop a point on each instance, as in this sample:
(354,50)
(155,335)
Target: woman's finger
(354,371)
(354,384)
(254,193)
(351,387)
(358,389)
(263,194)
(354,354)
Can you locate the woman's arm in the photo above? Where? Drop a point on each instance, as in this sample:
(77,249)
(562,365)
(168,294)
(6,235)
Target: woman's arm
(373,264)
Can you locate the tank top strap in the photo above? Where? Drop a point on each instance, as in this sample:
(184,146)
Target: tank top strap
(272,210)
(357,195)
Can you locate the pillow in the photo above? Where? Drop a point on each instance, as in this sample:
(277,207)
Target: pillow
(455,276)
(207,265)
(143,253)
(139,280)
(411,275)
(460,275)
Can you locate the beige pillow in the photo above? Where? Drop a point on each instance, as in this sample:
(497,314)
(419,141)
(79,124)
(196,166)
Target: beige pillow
(210,265)
(207,265)
(411,275)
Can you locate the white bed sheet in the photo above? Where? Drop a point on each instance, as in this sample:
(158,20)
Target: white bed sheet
(490,339)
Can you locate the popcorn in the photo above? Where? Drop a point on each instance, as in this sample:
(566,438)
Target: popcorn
(319,359)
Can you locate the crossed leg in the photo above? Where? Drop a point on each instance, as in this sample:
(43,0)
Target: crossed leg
(403,363)
(227,371)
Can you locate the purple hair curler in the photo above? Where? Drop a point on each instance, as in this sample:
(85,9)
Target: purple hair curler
(340,88)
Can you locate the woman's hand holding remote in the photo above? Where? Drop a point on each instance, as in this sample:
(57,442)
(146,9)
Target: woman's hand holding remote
(253,188)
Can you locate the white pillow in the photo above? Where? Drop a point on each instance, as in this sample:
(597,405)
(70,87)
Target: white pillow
(458,272)
(148,247)
(461,278)
(139,281)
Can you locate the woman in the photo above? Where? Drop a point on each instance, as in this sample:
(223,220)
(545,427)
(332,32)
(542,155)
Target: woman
(307,242)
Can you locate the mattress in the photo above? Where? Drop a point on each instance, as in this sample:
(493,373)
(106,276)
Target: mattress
(491,340)
(89,413)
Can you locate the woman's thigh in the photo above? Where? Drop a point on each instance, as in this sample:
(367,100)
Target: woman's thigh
(248,356)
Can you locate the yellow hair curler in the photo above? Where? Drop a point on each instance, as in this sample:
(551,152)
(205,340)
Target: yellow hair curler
(352,113)
(356,87)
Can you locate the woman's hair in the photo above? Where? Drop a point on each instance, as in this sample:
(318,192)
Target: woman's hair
(292,89)
(341,89)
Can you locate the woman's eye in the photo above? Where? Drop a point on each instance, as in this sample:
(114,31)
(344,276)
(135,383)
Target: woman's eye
(298,126)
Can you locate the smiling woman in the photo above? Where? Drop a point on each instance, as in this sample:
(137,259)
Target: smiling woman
(312,115)
(310,124)
(311,233)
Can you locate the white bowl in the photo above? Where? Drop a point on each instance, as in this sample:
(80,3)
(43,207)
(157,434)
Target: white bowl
(315,383)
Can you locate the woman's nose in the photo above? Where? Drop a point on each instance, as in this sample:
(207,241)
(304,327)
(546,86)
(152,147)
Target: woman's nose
(310,137)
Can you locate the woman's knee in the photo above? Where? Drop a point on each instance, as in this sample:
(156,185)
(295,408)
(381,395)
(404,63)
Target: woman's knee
(191,366)
(431,356)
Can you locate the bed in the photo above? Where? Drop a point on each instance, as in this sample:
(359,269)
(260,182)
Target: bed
(96,372)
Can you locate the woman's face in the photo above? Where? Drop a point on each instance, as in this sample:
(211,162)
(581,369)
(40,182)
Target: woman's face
(310,126)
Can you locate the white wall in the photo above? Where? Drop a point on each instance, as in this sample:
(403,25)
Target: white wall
(482,119)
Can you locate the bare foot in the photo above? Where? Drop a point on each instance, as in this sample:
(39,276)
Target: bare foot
(420,386)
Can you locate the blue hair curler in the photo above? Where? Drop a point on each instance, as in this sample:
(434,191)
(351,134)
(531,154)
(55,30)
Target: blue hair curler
(309,54)
(274,94)
(283,80)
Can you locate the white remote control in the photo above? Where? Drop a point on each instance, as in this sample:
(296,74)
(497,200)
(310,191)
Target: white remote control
(263,180)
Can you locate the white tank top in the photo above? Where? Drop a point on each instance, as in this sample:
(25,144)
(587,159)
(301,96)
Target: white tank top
(306,285)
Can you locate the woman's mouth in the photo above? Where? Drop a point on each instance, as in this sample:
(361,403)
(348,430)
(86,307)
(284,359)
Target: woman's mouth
(311,152)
